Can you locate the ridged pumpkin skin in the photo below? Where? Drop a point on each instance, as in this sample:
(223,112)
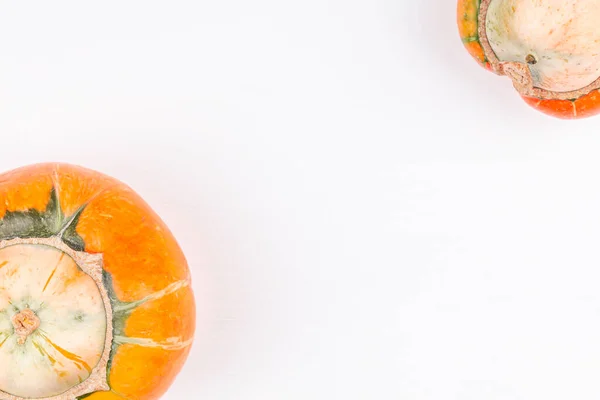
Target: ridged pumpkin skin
(583,107)
(144,270)
(468,28)
(577,107)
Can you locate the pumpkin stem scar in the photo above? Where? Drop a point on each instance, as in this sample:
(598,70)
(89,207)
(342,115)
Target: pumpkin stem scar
(127,307)
(25,323)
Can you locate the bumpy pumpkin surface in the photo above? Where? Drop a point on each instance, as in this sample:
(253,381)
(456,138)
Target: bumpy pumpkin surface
(550,49)
(95,295)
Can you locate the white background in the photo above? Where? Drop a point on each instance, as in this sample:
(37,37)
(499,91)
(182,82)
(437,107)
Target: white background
(367,213)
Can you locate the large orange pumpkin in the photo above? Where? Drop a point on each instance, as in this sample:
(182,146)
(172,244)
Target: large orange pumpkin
(95,295)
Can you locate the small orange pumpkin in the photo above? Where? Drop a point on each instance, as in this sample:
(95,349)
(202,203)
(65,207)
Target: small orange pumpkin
(95,294)
(550,50)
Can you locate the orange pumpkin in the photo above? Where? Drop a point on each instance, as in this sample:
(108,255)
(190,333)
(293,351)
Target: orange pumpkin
(550,51)
(95,294)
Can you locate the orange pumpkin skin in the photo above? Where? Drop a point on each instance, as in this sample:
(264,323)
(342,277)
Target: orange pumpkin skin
(141,256)
(583,107)
(468,27)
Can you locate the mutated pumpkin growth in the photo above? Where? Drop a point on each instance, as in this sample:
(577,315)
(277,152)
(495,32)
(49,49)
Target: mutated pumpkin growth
(550,49)
(95,297)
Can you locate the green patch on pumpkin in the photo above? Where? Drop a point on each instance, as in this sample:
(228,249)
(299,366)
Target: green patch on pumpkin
(32,223)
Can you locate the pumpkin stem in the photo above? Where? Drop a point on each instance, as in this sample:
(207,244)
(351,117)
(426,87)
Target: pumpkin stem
(25,323)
